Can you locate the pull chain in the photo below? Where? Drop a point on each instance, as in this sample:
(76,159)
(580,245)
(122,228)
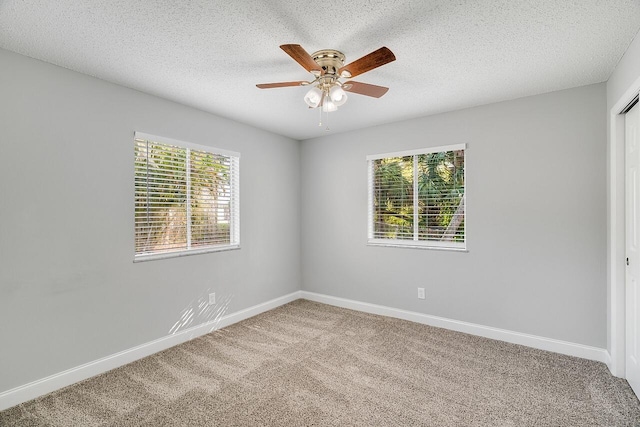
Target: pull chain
(327,120)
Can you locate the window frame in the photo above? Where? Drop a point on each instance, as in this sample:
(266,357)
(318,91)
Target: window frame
(234,222)
(414,243)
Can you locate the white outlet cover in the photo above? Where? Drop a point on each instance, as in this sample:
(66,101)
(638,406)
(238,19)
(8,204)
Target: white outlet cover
(212,298)
(421,294)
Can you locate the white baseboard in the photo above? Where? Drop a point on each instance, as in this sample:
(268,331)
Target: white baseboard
(608,361)
(57,381)
(542,343)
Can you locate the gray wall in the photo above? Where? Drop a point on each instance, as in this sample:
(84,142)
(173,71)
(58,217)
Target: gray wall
(536,221)
(69,291)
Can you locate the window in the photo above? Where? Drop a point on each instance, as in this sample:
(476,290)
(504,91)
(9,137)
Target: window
(417,198)
(186,198)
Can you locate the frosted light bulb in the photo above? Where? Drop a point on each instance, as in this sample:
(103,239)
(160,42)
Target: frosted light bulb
(328,106)
(313,97)
(338,95)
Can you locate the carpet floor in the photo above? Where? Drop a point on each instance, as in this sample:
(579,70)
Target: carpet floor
(310,364)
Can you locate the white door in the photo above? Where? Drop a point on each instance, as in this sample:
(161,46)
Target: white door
(632,212)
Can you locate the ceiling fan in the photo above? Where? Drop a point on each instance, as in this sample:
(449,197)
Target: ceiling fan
(327,67)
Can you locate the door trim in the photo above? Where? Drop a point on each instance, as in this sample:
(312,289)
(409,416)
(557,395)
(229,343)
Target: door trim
(616,231)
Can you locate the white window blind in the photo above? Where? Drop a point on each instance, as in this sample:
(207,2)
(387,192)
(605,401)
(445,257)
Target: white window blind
(417,198)
(186,198)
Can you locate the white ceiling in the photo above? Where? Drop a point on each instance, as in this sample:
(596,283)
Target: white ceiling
(210,54)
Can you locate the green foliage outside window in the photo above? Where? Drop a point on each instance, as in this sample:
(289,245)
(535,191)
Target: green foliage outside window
(438,206)
(176,210)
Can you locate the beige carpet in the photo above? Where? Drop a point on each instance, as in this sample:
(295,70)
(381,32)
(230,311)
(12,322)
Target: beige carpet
(307,364)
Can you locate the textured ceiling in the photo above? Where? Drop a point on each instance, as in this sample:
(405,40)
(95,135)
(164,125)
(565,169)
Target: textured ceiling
(210,54)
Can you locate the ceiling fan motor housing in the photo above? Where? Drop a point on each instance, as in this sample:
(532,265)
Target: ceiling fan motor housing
(331,61)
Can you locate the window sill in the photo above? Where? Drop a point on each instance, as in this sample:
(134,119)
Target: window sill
(177,254)
(415,245)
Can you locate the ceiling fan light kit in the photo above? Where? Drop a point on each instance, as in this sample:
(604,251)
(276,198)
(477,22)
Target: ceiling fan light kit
(327,67)
(338,95)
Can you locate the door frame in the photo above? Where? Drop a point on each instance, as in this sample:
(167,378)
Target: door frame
(616,250)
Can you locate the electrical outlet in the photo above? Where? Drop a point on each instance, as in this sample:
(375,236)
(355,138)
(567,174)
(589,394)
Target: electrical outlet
(421,293)
(212,298)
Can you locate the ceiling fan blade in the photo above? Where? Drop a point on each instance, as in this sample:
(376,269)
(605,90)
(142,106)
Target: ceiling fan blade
(368,62)
(282,84)
(302,57)
(365,89)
